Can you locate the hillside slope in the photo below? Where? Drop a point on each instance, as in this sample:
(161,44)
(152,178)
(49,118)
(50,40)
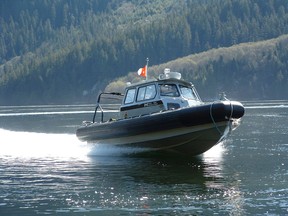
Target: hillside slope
(246,71)
(67,51)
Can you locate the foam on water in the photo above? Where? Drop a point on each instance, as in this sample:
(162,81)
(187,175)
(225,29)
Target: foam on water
(266,105)
(52,113)
(216,152)
(31,144)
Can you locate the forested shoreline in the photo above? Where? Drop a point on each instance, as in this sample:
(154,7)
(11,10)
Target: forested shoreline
(67,51)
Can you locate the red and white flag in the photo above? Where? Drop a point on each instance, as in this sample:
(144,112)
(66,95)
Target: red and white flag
(142,71)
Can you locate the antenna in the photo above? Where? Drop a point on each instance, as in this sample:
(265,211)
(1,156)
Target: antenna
(147,60)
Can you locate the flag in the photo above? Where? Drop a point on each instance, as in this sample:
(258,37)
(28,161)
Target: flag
(142,71)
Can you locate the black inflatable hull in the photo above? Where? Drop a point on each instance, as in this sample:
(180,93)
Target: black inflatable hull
(191,130)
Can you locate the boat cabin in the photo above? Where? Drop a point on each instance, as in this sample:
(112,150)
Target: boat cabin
(168,92)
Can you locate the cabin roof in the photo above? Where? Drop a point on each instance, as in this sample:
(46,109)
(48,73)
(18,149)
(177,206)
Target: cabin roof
(160,81)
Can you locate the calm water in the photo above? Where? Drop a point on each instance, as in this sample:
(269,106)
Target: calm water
(45,170)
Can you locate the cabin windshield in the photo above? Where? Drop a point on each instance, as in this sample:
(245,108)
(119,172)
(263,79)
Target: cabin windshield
(130,96)
(146,92)
(188,92)
(169,90)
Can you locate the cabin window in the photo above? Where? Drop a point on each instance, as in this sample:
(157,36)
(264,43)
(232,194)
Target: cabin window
(188,92)
(169,90)
(130,96)
(146,93)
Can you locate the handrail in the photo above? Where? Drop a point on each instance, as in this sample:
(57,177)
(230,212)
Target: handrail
(98,105)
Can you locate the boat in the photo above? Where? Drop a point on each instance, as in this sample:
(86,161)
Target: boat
(163,115)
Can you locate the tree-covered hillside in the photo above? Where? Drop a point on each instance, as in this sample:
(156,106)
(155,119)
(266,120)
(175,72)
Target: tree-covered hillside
(65,51)
(247,71)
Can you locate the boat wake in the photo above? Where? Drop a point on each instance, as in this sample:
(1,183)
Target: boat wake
(38,145)
(266,104)
(31,144)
